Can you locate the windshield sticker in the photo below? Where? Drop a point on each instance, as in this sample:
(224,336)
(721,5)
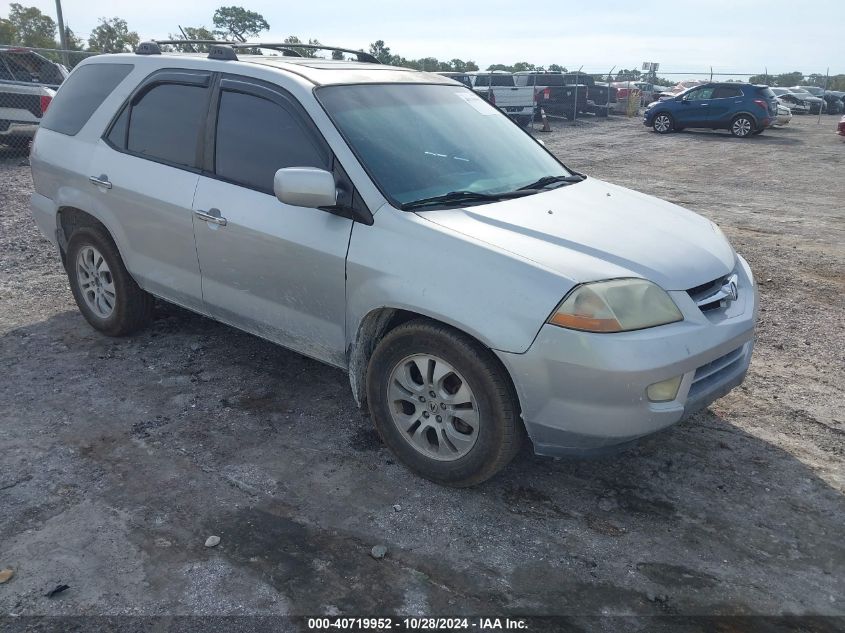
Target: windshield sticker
(477,102)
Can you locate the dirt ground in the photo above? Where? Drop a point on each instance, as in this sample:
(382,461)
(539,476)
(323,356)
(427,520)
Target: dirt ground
(119,457)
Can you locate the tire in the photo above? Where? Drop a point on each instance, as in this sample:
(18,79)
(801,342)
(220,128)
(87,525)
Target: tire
(104,291)
(663,123)
(757,132)
(469,430)
(523,121)
(742,126)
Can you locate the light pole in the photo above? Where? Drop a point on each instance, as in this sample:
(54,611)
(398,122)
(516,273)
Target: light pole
(62,32)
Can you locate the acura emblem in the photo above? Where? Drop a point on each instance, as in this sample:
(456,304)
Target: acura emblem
(730,289)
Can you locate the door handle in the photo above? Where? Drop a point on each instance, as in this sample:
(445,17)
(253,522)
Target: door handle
(212,215)
(101,181)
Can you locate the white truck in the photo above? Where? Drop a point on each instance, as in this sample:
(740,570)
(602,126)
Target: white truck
(499,88)
(27,85)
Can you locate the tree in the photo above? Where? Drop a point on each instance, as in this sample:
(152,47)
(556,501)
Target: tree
(74,43)
(337,55)
(8,34)
(305,52)
(113,36)
(239,23)
(30,27)
(471,66)
(192,33)
(557,68)
(381,52)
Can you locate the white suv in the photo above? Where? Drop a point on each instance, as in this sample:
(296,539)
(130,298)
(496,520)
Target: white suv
(394,224)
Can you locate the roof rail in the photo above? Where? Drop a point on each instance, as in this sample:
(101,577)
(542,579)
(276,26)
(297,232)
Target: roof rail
(287,48)
(148,48)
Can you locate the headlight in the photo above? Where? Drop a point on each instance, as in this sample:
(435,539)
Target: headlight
(618,305)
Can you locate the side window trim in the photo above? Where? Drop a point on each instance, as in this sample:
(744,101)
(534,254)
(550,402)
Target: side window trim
(280,96)
(175,76)
(260,89)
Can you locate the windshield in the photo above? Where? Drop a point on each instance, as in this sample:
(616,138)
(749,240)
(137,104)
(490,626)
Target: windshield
(419,141)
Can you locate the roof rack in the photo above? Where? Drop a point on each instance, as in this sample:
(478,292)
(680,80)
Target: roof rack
(222,49)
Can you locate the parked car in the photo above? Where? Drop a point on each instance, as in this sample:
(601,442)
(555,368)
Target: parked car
(24,95)
(784,116)
(24,65)
(553,93)
(650,92)
(833,99)
(794,102)
(498,88)
(817,104)
(744,109)
(393,224)
(840,129)
(628,97)
(463,78)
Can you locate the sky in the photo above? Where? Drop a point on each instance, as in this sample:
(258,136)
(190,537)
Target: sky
(731,36)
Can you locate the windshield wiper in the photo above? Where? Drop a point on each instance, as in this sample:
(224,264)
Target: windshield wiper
(459,197)
(545,181)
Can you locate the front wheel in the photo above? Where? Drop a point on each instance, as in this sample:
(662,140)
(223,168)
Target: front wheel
(742,126)
(443,404)
(663,123)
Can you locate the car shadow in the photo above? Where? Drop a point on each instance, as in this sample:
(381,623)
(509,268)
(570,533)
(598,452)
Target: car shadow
(707,517)
(767,137)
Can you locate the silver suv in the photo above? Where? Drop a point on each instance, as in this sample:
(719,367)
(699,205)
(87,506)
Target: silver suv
(394,224)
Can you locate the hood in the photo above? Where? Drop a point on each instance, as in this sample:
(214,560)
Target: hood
(593,230)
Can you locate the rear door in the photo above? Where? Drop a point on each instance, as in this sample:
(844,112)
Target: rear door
(270,268)
(145,173)
(726,101)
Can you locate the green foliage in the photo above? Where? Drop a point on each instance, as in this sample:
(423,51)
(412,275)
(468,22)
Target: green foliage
(7,32)
(191,33)
(27,26)
(113,36)
(305,52)
(380,51)
(73,42)
(557,68)
(238,23)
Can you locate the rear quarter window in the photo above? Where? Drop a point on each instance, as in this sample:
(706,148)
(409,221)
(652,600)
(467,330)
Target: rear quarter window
(83,92)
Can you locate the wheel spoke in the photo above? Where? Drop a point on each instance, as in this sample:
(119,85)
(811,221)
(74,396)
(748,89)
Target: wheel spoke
(461,443)
(462,396)
(403,377)
(467,416)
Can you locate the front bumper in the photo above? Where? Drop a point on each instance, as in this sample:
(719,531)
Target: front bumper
(584,393)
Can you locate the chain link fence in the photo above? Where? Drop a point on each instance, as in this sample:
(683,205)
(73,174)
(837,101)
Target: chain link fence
(29,78)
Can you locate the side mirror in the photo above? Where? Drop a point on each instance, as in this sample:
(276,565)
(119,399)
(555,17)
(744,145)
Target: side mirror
(308,187)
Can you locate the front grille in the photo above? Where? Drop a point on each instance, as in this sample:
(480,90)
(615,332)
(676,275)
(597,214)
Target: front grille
(712,373)
(700,293)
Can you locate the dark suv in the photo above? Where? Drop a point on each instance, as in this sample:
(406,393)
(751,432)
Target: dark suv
(744,109)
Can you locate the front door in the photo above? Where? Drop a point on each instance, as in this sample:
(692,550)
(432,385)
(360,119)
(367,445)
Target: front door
(272,269)
(695,108)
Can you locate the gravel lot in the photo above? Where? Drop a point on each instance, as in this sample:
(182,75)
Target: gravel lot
(119,457)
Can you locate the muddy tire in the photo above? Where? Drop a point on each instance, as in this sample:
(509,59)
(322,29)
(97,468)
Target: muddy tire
(104,291)
(443,404)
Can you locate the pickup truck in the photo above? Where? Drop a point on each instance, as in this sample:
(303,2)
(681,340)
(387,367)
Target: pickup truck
(499,88)
(554,94)
(27,85)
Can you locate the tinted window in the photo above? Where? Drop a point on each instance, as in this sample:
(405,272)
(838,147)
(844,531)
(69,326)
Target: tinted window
(495,80)
(117,135)
(82,93)
(255,137)
(726,92)
(699,94)
(166,122)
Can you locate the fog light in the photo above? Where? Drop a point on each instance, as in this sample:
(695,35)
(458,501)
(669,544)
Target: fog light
(665,390)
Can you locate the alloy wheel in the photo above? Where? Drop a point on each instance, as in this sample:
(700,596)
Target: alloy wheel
(433,407)
(741,127)
(95,281)
(662,123)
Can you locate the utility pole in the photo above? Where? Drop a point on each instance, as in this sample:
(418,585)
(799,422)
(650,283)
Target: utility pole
(62,32)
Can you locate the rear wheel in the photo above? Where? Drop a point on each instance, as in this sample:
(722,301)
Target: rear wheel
(104,291)
(663,123)
(742,126)
(443,404)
